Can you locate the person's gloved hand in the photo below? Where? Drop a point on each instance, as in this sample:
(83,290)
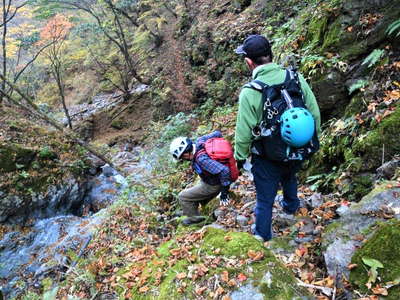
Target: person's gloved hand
(224,196)
(240,163)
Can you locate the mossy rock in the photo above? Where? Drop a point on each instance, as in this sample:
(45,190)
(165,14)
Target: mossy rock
(316,30)
(383,246)
(218,243)
(384,136)
(361,186)
(118,124)
(355,106)
(13,157)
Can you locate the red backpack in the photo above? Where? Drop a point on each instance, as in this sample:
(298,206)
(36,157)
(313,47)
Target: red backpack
(220,149)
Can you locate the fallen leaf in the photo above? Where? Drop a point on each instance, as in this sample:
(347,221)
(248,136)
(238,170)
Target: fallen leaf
(217,251)
(200,290)
(301,251)
(241,277)
(352,266)
(302,211)
(181,276)
(378,290)
(232,282)
(255,255)
(225,276)
(144,289)
(219,291)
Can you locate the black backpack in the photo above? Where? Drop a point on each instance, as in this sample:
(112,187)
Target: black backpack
(270,145)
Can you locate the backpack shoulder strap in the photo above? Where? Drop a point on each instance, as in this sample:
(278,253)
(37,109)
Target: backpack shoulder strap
(199,152)
(291,73)
(256,85)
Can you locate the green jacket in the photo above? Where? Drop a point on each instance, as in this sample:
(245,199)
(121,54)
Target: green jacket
(250,106)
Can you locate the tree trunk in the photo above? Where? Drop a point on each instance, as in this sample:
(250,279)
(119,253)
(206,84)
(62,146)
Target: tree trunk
(3,44)
(60,85)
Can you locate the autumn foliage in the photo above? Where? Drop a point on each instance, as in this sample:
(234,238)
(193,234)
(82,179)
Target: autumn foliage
(57,28)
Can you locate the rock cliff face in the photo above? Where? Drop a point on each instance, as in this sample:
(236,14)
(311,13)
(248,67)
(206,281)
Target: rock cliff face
(341,47)
(40,172)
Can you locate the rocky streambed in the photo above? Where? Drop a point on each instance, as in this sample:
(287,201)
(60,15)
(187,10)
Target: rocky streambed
(62,225)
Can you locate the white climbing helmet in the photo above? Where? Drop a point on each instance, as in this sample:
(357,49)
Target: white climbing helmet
(179,146)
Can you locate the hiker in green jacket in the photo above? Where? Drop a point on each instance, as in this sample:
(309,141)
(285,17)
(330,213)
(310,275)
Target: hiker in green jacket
(268,174)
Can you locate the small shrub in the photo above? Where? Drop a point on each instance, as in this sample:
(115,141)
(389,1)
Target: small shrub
(46,153)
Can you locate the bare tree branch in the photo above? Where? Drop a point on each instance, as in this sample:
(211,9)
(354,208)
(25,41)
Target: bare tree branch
(33,108)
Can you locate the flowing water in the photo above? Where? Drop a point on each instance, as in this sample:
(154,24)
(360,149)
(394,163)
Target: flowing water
(27,255)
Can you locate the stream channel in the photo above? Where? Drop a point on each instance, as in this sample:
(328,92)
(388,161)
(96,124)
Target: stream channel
(42,248)
(28,255)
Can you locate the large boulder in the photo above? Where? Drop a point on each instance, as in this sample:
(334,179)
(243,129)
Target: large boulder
(341,238)
(383,246)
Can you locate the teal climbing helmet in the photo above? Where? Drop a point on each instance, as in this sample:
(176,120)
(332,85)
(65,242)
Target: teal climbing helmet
(297,126)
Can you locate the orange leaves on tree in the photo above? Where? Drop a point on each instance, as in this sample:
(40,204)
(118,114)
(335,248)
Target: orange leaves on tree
(57,28)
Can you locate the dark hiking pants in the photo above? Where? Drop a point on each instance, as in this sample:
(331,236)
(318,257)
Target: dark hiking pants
(268,175)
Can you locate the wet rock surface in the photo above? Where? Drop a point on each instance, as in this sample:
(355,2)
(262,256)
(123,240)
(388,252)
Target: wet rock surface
(42,247)
(42,250)
(64,198)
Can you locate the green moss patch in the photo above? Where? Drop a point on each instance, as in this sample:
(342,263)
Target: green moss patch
(370,146)
(205,263)
(383,246)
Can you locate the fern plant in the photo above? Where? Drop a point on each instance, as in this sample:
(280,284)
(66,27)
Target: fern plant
(359,84)
(373,58)
(393,27)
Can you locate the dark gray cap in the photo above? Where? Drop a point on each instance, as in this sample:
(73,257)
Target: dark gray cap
(255,46)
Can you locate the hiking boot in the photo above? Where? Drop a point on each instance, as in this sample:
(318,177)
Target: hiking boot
(193,220)
(279,199)
(255,235)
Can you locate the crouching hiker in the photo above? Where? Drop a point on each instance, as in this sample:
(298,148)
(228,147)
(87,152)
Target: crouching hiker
(212,159)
